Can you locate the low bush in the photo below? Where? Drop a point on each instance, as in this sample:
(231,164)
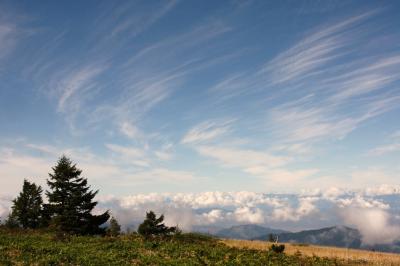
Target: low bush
(277,248)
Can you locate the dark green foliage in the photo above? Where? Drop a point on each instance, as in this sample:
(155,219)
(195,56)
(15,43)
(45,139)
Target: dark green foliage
(11,222)
(277,248)
(34,248)
(71,201)
(114,229)
(27,207)
(153,226)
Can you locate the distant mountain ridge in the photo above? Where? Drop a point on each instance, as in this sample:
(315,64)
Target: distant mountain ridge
(248,231)
(337,236)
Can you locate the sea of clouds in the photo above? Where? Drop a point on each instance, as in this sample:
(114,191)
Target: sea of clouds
(374,212)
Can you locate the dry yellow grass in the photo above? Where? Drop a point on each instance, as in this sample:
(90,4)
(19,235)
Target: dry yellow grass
(349,255)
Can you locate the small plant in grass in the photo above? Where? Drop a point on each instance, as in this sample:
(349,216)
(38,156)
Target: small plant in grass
(277,248)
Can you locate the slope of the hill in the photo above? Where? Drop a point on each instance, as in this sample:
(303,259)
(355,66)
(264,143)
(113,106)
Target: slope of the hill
(345,255)
(337,236)
(37,248)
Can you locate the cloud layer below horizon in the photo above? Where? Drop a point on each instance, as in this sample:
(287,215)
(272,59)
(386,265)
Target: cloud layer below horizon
(373,211)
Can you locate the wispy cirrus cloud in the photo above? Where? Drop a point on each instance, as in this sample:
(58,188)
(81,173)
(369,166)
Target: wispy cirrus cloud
(74,86)
(314,51)
(137,24)
(131,155)
(207,130)
(309,87)
(7,38)
(392,146)
(11,34)
(235,157)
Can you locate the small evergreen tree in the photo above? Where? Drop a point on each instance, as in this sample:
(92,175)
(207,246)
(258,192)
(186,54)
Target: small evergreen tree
(71,201)
(27,207)
(114,229)
(153,226)
(11,221)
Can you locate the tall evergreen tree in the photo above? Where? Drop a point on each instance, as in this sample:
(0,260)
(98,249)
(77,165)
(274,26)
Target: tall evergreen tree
(27,207)
(71,201)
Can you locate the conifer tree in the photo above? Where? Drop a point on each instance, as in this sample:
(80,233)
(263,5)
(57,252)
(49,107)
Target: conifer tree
(71,201)
(27,207)
(153,226)
(11,221)
(114,229)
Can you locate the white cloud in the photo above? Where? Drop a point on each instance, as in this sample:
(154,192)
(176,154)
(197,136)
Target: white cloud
(248,215)
(371,176)
(5,205)
(313,52)
(374,225)
(7,38)
(212,217)
(131,131)
(288,213)
(76,84)
(15,167)
(242,158)
(385,149)
(130,154)
(206,131)
(392,147)
(134,23)
(165,175)
(165,153)
(383,189)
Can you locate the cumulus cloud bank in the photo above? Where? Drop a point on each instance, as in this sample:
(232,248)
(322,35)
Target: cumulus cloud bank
(372,211)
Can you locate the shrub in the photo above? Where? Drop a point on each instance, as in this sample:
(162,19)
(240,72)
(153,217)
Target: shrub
(277,248)
(153,226)
(114,229)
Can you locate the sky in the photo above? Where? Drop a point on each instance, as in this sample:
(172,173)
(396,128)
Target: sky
(202,97)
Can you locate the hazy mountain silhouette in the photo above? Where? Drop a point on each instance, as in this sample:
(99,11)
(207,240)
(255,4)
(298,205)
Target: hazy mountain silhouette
(339,236)
(248,231)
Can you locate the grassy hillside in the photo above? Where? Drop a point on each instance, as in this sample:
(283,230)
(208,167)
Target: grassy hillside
(38,248)
(345,255)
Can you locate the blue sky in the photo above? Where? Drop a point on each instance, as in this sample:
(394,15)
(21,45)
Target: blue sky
(194,96)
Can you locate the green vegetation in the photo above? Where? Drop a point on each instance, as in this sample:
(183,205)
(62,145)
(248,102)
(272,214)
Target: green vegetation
(114,229)
(69,207)
(71,201)
(28,247)
(277,248)
(27,207)
(154,227)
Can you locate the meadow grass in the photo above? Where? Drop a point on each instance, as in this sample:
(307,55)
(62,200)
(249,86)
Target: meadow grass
(349,256)
(44,248)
